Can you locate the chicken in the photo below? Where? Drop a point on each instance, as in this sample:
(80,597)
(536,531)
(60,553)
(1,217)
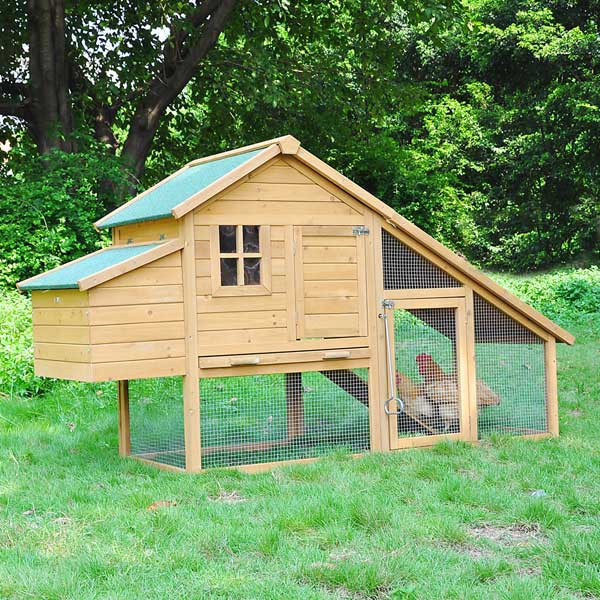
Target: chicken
(415,402)
(441,390)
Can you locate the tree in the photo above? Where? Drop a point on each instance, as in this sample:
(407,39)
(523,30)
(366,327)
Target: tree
(74,51)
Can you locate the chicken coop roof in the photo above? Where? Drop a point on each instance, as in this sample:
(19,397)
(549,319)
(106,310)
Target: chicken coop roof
(159,201)
(87,269)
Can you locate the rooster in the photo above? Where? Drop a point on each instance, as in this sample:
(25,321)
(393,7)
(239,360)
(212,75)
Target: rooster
(441,390)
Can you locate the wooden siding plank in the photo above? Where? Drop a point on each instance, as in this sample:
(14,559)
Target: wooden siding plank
(288,192)
(105,353)
(264,319)
(144,313)
(64,334)
(59,299)
(63,370)
(330,289)
(332,240)
(147,231)
(135,332)
(263,217)
(230,209)
(201,233)
(326,272)
(61,316)
(277,233)
(113,296)
(230,304)
(314,306)
(202,249)
(332,325)
(330,254)
(137,369)
(62,352)
(148,276)
(240,337)
(280,173)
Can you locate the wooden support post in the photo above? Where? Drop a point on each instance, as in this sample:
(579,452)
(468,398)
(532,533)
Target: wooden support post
(191,379)
(473,433)
(551,387)
(294,400)
(123,410)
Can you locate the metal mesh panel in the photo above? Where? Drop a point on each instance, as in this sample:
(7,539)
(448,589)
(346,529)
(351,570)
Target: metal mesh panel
(156,420)
(426,371)
(277,417)
(511,376)
(403,268)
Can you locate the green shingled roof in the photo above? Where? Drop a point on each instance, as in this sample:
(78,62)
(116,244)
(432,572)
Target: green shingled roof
(68,275)
(161,200)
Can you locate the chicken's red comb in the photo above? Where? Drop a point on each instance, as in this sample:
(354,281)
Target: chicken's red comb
(423,357)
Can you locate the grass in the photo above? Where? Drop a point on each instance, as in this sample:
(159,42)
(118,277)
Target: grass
(454,521)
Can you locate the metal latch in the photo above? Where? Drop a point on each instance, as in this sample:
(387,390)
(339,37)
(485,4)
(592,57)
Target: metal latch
(360,230)
(388,304)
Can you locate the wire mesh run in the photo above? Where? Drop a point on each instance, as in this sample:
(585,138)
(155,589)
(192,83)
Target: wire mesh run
(156,420)
(426,371)
(403,268)
(277,417)
(511,375)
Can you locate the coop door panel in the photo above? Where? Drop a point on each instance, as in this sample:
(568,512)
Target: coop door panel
(330,282)
(430,373)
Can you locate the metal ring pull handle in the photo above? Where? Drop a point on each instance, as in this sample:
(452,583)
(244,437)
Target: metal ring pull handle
(386,406)
(391,379)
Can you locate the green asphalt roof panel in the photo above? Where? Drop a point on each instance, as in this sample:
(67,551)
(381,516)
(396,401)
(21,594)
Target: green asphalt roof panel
(67,276)
(160,201)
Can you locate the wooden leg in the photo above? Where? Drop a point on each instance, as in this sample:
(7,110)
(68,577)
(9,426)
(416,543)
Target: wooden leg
(294,404)
(124,434)
(551,387)
(191,423)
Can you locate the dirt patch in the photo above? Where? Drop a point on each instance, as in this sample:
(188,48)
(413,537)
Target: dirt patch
(232,497)
(161,504)
(508,535)
(575,412)
(530,571)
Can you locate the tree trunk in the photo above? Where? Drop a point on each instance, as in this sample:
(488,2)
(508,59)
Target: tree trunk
(49,109)
(179,66)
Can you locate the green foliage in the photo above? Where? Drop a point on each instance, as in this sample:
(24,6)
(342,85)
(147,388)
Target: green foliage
(564,295)
(16,349)
(479,122)
(47,207)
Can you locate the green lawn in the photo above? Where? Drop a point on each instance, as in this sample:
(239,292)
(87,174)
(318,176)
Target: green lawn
(454,521)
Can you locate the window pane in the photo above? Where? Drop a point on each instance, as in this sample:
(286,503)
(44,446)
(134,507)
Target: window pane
(229,271)
(252,271)
(227,241)
(251,238)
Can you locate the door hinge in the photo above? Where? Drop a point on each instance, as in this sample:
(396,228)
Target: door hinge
(360,230)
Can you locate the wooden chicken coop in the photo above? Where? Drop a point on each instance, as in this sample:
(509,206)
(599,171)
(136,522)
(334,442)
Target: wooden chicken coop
(257,307)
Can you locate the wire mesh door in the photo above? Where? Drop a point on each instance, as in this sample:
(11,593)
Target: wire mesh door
(430,385)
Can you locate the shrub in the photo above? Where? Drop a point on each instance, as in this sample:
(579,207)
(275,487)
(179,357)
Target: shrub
(562,295)
(16,351)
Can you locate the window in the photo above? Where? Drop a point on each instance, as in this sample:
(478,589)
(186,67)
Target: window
(242,254)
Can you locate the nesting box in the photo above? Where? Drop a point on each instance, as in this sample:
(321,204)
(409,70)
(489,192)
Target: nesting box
(258,307)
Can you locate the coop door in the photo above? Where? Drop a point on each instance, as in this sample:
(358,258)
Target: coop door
(330,281)
(430,384)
